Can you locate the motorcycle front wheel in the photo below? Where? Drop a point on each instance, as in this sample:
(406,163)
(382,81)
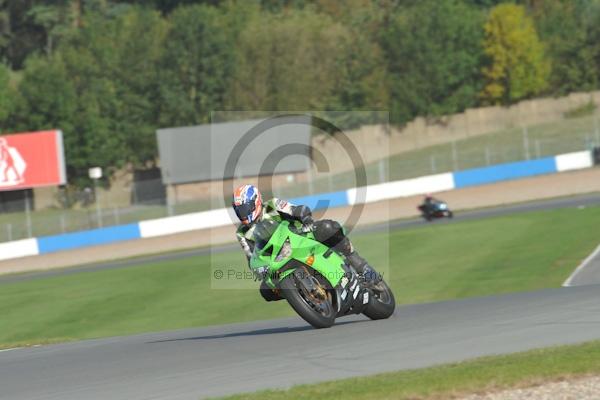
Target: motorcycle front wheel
(310,298)
(381,302)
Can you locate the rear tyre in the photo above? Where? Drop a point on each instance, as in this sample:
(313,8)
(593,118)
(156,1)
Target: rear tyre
(381,302)
(319,314)
(450,214)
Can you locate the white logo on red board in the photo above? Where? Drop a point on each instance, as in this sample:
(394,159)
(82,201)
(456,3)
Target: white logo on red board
(12,165)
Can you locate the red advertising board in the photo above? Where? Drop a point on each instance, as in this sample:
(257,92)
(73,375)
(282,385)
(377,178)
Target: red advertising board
(29,160)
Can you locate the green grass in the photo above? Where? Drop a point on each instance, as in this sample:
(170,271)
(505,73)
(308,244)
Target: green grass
(453,380)
(434,262)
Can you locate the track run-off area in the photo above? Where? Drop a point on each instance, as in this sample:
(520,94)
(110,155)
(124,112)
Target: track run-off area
(221,360)
(228,359)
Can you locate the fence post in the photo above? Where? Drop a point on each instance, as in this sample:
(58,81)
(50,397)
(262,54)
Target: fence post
(381,171)
(63,225)
(97,199)
(588,142)
(28,214)
(526,142)
(538,148)
(433,165)
(596,130)
(116,213)
(454,155)
(9,231)
(171,194)
(488,157)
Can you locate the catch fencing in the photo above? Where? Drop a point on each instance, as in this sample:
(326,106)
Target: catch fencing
(131,200)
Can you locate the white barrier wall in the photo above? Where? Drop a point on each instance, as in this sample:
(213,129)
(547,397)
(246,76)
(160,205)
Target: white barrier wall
(573,161)
(19,248)
(405,188)
(185,223)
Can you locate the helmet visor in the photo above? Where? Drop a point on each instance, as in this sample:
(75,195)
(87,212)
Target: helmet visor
(244,211)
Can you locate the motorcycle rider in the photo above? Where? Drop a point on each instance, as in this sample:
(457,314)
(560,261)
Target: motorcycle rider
(249,208)
(429,200)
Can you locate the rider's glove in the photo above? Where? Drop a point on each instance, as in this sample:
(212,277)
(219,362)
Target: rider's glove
(302,214)
(307,227)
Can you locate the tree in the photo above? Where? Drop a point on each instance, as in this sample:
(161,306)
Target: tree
(101,88)
(47,96)
(517,67)
(7,97)
(564,26)
(434,51)
(196,65)
(361,81)
(55,19)
(290,63)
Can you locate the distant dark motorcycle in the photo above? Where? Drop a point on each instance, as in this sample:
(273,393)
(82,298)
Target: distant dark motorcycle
(435,210)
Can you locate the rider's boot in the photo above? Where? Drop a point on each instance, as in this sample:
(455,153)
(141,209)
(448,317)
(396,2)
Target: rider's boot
(357,262)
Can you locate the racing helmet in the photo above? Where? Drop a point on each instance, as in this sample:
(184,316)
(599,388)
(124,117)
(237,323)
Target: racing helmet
(247,204)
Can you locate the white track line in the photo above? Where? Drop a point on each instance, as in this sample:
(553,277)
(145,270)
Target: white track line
(581,266)
(14,348)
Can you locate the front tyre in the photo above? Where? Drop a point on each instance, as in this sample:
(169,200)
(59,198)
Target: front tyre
(314,309)
(381,302)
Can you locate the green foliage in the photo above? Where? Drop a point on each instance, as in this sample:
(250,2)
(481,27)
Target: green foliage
(565,26)
(195,66)
(281,62)
(110,72)
(7,96)
(434,52)
(47,96)
(98,89)
(517,66)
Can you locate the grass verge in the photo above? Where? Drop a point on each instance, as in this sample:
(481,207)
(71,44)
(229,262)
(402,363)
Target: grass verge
(454,380)
(433,262)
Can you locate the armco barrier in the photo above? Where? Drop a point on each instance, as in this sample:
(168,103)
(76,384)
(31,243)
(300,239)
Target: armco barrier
(221,217)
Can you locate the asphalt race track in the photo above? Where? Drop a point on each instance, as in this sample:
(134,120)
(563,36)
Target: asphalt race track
(197,363)
(220,360)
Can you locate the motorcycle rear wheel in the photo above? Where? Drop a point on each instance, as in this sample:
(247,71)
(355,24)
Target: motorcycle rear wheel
(320,313)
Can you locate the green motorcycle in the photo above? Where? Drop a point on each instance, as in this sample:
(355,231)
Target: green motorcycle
(314,280)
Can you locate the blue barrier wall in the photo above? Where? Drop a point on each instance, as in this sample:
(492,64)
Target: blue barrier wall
(67,241)
(323,200)
(503,172)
